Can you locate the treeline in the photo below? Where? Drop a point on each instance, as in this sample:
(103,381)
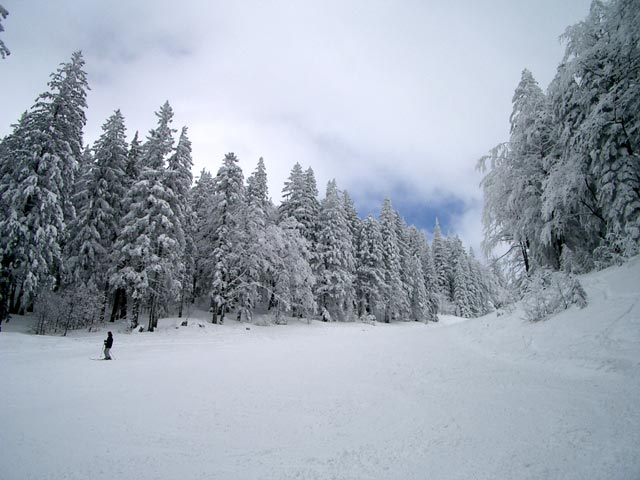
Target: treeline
(564,191)
(90,234)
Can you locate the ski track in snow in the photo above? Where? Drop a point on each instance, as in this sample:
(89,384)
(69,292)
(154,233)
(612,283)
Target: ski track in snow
(494,397)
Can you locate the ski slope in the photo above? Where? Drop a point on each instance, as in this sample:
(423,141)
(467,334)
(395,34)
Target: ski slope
(489,398)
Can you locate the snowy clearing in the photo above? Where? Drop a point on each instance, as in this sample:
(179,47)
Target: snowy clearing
(489,398)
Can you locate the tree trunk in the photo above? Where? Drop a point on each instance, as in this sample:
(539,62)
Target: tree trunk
(525,257)
(69,316)
(180,305)
(135,312)
(16,301)
(152,312)
(5,292)
(116,306)
(214,310)
(103,309)
(119,309)
(123,303)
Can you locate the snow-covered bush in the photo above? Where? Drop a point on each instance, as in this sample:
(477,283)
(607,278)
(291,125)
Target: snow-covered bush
(577,263)
(368,318)
(548,292)
(71,308)
(615,252)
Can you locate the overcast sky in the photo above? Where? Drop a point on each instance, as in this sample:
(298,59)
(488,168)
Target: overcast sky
(390,98)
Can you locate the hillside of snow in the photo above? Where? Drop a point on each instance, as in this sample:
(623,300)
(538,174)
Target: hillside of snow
(494,397)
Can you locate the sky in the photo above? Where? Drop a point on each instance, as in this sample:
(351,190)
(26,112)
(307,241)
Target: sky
(393,99)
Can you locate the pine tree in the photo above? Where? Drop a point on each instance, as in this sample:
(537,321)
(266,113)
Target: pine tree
(351,215)
(134,157)
(291,279)
(395,298)
(258,194)
(132,175)
(4,51)
(440,262)
(354,223)
(410,271)
(150,247)
(428,271)
(514,185)
(292,195)
(179,180)
(460,279)
(253,263)
(334,288)
(370,280)
(96,226)
(227,233)
(202,205)
(423,306)
(479,286)
(64,106)
(80,187)
(39,160)
(596,102)
(300,202)
(310,207)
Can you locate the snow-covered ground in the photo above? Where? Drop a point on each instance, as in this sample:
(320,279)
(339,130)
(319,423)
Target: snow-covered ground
(490,398)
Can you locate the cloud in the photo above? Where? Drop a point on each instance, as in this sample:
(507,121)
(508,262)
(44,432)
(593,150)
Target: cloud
(393,99)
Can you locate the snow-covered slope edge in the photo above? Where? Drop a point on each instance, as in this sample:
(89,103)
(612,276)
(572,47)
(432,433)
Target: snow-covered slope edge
(603,336)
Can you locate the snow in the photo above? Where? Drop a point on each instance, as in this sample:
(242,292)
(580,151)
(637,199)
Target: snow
(494,397)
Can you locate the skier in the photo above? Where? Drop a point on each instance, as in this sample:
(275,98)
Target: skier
(107,346)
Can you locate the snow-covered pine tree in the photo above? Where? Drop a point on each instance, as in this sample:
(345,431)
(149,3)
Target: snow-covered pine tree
(409,270)
(65,104)
(179,180)
(351,215)
(202,205)
(132,174)
(227,236)
(151,243)
(395,298)
(300,201)
(440,262)
(460,279)
(97,222)
(424,305)
(310,207)
(513,185)
(354,223)
(134,159)
(291,279)
(4,51)
(530,143)
(334,289)
(596,99)
(370,281)
(79,195)
(259,213)
(428,271)
(39,162)
(479,290)
(179,176)
(293,195)
(258,195)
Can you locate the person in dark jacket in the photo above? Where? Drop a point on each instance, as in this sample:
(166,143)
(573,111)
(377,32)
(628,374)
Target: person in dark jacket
(107,346)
